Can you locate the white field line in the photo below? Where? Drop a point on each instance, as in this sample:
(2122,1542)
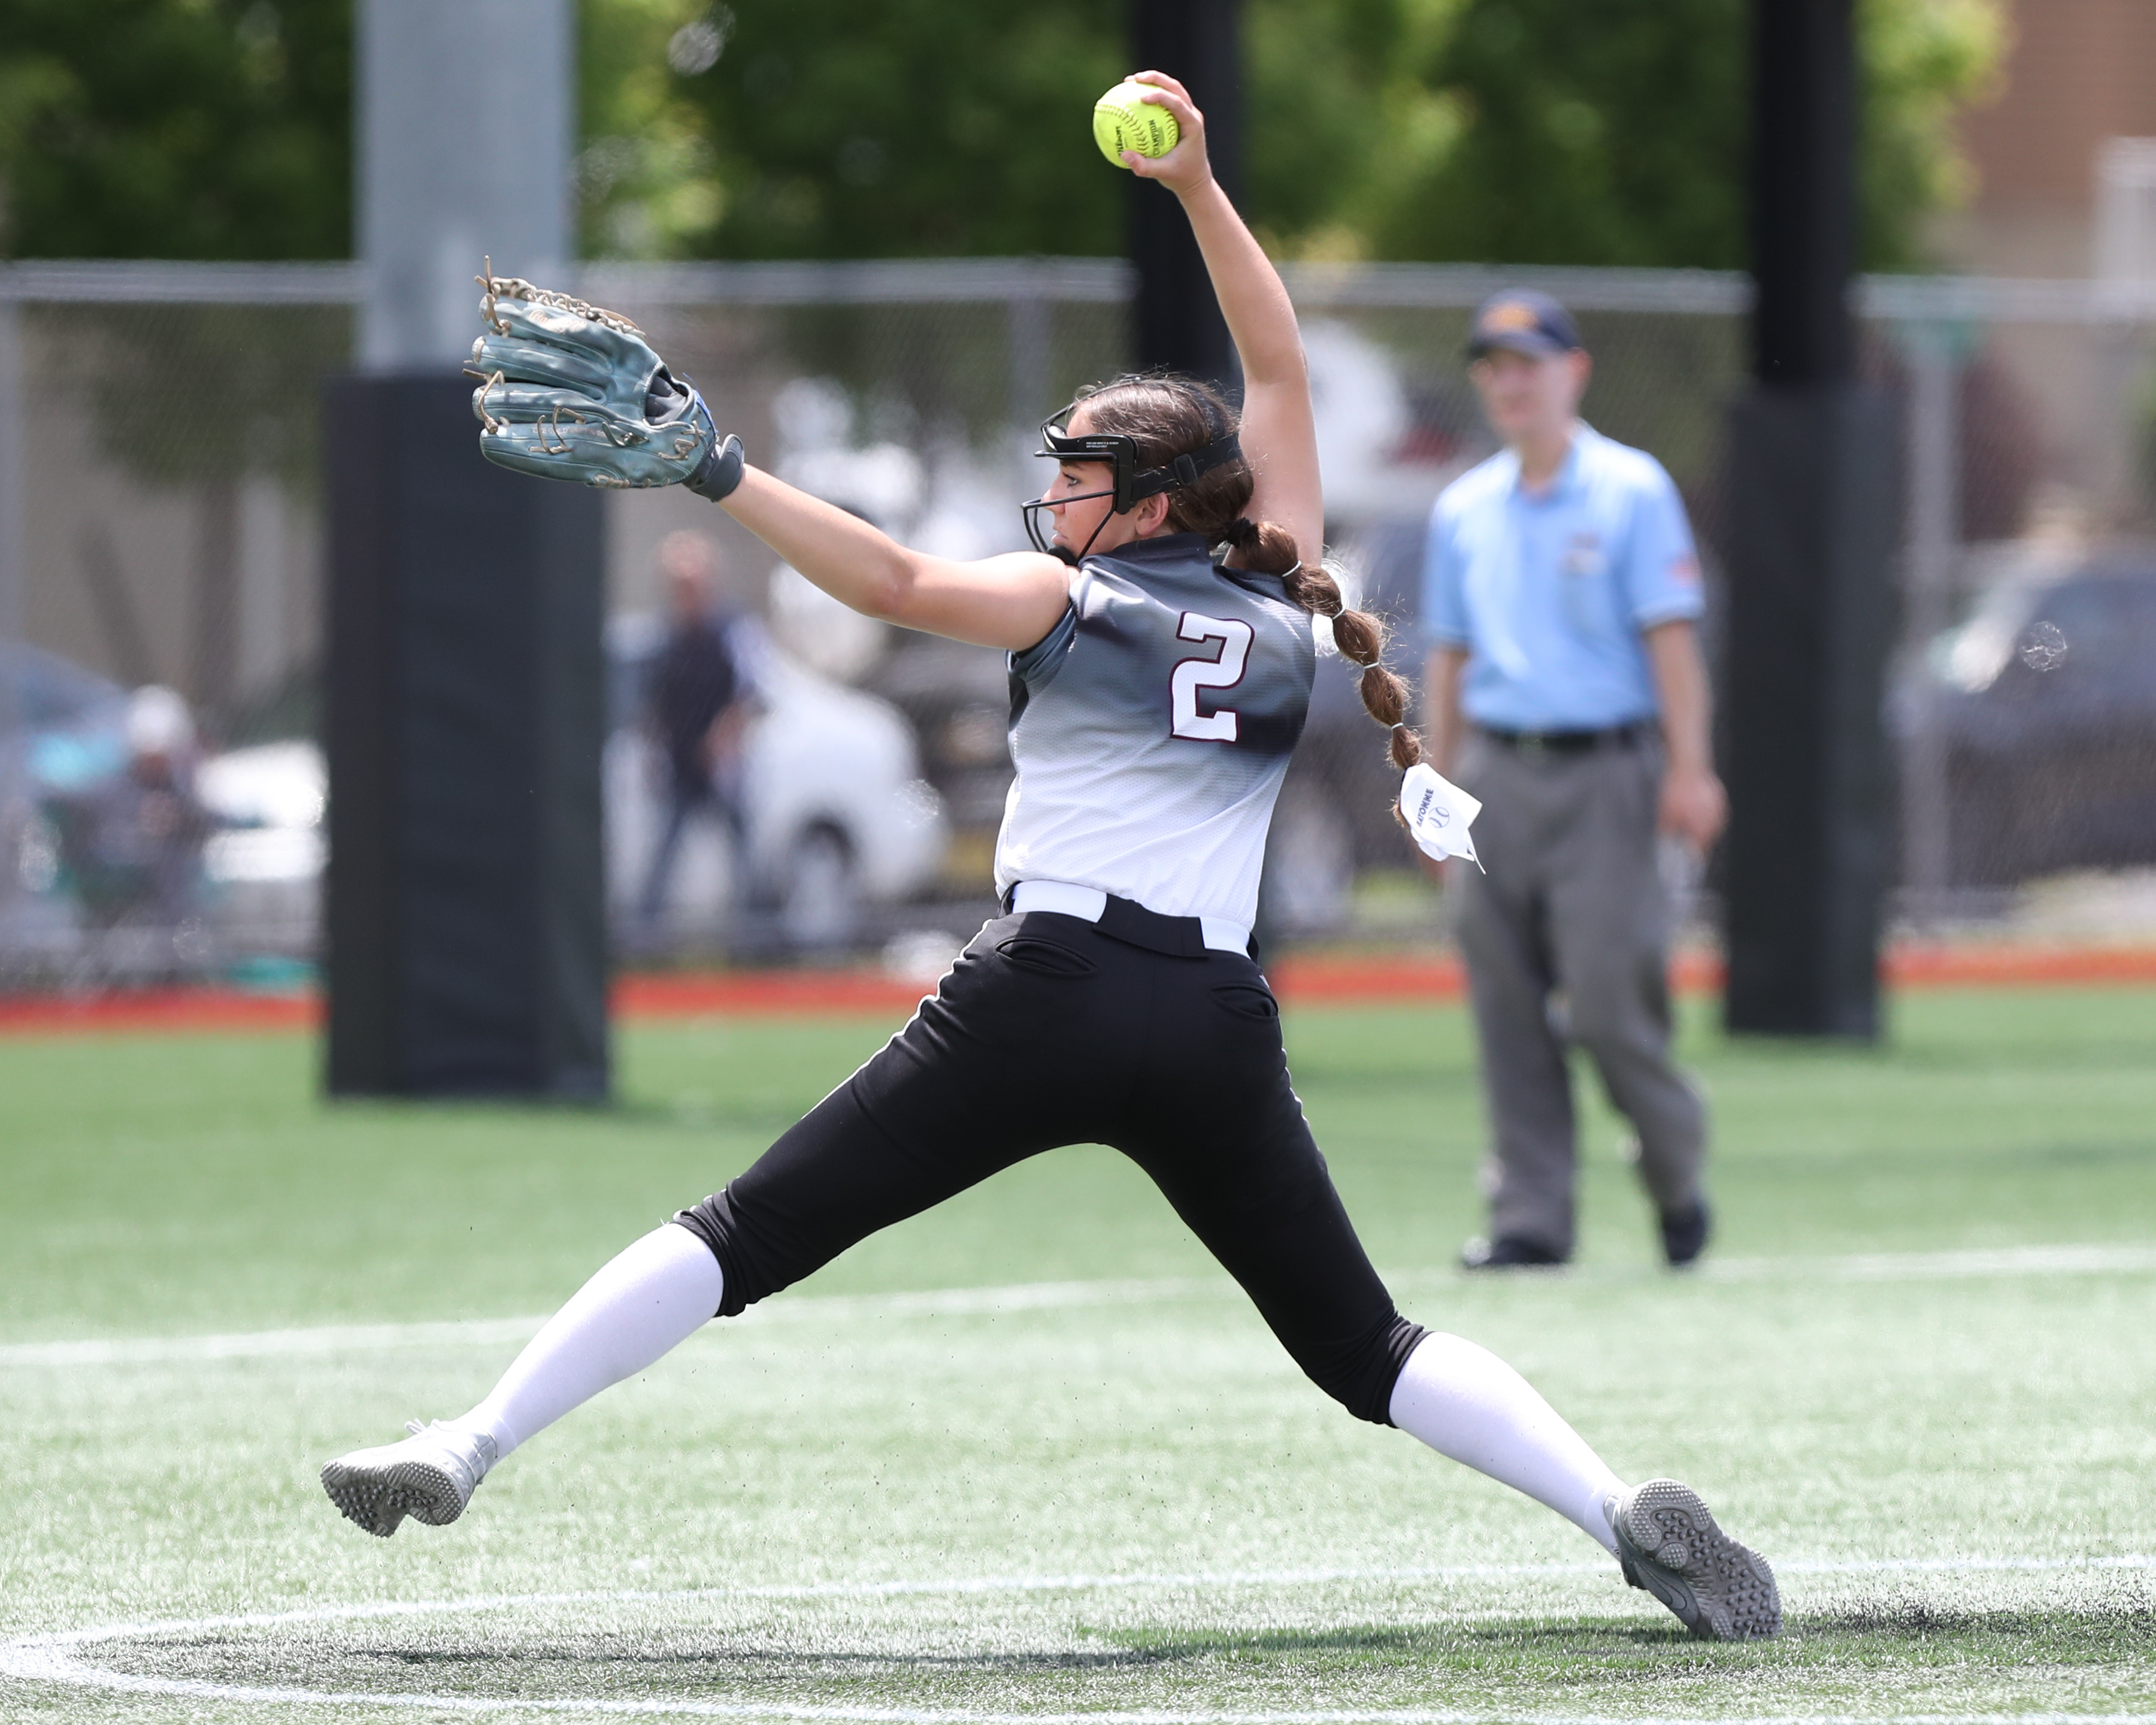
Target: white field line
(2006,1261)
(1933,1266)
(329,1338)
(55,1657)
(494,1331)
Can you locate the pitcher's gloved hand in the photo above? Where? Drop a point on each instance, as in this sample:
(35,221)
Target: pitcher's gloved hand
(570,392)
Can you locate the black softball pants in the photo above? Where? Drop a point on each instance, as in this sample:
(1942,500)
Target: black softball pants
(1047,1032)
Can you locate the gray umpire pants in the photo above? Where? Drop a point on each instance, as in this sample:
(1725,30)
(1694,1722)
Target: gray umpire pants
(1566,939)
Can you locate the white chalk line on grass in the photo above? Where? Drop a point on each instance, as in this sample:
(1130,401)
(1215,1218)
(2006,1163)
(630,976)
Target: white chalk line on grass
(2012,1262)
(1939,1266)
(54,1657)
(493,1332)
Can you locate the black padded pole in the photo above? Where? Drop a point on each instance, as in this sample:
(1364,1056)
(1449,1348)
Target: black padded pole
(1813,499)
(465,925)
(1176,322)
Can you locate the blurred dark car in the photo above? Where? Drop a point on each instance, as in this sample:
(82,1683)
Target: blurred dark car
(61,727)
(2046,704)
(51,696)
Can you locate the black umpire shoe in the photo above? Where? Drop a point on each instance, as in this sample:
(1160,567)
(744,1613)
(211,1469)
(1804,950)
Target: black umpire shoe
(1507,1251)
(1684,1234)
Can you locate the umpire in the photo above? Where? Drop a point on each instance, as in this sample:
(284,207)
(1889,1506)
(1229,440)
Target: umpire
(1566,689)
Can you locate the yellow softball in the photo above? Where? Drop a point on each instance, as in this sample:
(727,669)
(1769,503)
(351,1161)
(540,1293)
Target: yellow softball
(1123,121)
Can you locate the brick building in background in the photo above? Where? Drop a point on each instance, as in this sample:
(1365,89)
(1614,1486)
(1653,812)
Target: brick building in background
(2057,416)
(2076,75)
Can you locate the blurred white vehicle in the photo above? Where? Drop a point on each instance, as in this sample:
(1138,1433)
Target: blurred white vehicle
(264,865)
(838,817)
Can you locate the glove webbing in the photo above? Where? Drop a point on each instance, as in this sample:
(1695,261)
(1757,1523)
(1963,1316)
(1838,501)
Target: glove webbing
(516,287)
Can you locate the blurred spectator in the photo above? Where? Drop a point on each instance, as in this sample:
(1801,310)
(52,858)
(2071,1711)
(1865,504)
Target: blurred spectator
(131,842)
(697,714)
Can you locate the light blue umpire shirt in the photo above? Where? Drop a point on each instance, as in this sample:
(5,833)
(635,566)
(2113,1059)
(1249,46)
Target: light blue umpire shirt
(1549,591)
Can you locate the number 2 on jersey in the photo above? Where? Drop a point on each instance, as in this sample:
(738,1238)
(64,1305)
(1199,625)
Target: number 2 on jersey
(1223,671)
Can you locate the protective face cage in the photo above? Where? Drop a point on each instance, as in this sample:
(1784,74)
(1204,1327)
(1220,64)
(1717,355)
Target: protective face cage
(1129,485)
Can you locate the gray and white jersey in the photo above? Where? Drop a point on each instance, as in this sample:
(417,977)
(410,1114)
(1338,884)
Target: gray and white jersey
(1152,728)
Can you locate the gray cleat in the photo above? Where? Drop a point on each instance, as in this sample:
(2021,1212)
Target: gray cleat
(1669,1545)
(430,1477)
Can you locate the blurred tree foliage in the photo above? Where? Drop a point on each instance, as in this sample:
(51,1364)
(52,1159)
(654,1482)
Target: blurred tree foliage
(848,128)
(1587,131)
(1600,131)
(1924,61)
(647,175)
(183,129)
(1591,131)
(175,128)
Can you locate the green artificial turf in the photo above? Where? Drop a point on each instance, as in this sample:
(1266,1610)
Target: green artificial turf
(878,1495)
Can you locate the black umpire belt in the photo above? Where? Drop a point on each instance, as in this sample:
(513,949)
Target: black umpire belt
(1131,923)
(1571,743)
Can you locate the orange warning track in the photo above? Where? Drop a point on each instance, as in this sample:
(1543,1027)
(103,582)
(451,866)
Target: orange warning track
(1335,981)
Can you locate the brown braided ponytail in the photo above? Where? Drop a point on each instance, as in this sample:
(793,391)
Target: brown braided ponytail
(1170,416)
(1360,636)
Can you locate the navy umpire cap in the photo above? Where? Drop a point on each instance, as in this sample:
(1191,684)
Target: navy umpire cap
(1522,321)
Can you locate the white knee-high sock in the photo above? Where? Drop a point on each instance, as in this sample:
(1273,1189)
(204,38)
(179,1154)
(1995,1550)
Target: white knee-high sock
(1464,1402)
(640,1305)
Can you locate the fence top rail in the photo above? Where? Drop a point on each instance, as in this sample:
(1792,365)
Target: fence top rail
(1463,286)
(1961,298)
(863,281)
(128,282)
(1971,299)
(866,281)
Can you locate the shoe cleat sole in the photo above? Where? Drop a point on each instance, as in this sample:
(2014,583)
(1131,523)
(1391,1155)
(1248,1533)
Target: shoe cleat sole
(1671,1547)
(378,1496)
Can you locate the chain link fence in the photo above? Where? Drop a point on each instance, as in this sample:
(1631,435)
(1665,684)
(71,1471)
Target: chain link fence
(161,530)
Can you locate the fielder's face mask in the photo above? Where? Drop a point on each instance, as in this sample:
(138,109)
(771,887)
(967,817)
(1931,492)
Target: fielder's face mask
(1129,485)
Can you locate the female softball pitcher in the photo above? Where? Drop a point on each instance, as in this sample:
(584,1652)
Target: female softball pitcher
(1160,659)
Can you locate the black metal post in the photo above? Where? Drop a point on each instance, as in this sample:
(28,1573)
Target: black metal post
(1177,324)
(1803,190)
(466,933)
(1813,492)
